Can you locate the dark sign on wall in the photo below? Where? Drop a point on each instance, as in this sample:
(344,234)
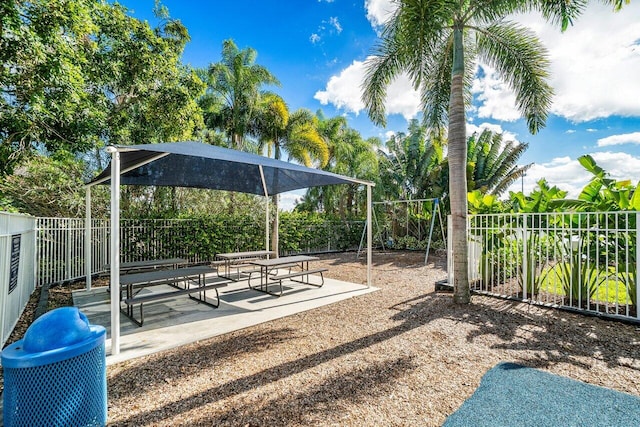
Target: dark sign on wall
(15,261)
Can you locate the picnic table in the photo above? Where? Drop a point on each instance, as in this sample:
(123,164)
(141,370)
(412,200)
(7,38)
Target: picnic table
(240,262)
(194,280)
(151,264)
(271,272)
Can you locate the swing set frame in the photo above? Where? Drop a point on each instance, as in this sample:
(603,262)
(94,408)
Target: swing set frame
(436,209)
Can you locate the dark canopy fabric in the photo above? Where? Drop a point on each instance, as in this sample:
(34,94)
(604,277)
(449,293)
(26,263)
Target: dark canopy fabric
(195,164)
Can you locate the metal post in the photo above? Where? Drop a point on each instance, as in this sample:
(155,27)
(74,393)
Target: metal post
(637,267)
(433,221)
(525,256)
(87,239)
(115,250)
(369,235)
(364,232)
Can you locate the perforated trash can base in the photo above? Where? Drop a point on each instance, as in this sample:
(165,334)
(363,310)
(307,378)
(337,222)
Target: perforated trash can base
(70,392)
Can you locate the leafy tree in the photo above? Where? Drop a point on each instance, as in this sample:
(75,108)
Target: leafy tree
(297,134)
(355,157)
(52,186)
(410,168)
(492,164)
(82,73)
(435,43)
(602,193)
(137,76)
(541,199)
(270,125)
(349,155)
(43,51)
(482,203)
(234,91)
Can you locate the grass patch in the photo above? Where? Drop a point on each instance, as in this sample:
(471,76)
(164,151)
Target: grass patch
(608,288)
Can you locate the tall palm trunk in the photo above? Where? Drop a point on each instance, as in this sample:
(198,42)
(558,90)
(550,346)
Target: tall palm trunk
(458,174)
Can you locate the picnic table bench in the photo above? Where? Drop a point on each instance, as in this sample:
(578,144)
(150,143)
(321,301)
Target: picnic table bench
(147,265)
(190,276)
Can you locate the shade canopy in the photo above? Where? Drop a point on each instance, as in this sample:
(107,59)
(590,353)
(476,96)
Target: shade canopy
(199,165)
(194,164)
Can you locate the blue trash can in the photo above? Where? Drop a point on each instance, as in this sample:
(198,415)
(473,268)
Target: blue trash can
(56,375)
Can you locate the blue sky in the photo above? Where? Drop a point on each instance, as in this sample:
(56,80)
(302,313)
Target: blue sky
(316,48)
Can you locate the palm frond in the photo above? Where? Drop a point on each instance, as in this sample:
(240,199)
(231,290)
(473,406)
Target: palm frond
(380,70)
(437,90)
(561,12)
(522,62)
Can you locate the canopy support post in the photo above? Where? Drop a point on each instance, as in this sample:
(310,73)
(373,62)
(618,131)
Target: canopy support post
(87,239)
(115,250)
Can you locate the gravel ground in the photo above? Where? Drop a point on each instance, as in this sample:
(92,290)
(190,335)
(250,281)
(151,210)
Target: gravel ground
(402,356)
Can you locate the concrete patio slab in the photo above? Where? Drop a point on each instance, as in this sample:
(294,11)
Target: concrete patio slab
(174,322)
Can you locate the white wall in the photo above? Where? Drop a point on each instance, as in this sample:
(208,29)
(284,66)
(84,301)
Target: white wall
(13,301)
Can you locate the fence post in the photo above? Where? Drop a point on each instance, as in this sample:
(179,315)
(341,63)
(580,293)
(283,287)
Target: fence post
(637,268)
(67,263)
(87,239)
(525,264)
(450,277)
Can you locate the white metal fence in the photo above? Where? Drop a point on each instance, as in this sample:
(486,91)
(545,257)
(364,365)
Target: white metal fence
(579,261)
(17,268)
(61,245)
(61,242)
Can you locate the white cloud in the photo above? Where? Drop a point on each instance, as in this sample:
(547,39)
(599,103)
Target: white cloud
(594,64)
(594,68)
(569,131)
(344,91)
(506,135)
(333,21)
(627,138)
(497,101)
(402,99)
(326,29)
(569,175)
(287,201)
(379,11)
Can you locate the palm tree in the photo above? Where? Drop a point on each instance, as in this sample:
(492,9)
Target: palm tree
(492,164)
(435,43)
(349,155)
(617,4)
(410,168)
(295,133)
(234,91)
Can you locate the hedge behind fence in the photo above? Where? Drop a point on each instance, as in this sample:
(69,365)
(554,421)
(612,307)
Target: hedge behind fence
(202,238)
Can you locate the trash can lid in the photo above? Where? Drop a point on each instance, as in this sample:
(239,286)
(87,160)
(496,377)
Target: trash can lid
(57,328)
(55,336)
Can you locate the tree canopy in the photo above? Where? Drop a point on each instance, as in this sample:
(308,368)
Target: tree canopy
(83,73)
